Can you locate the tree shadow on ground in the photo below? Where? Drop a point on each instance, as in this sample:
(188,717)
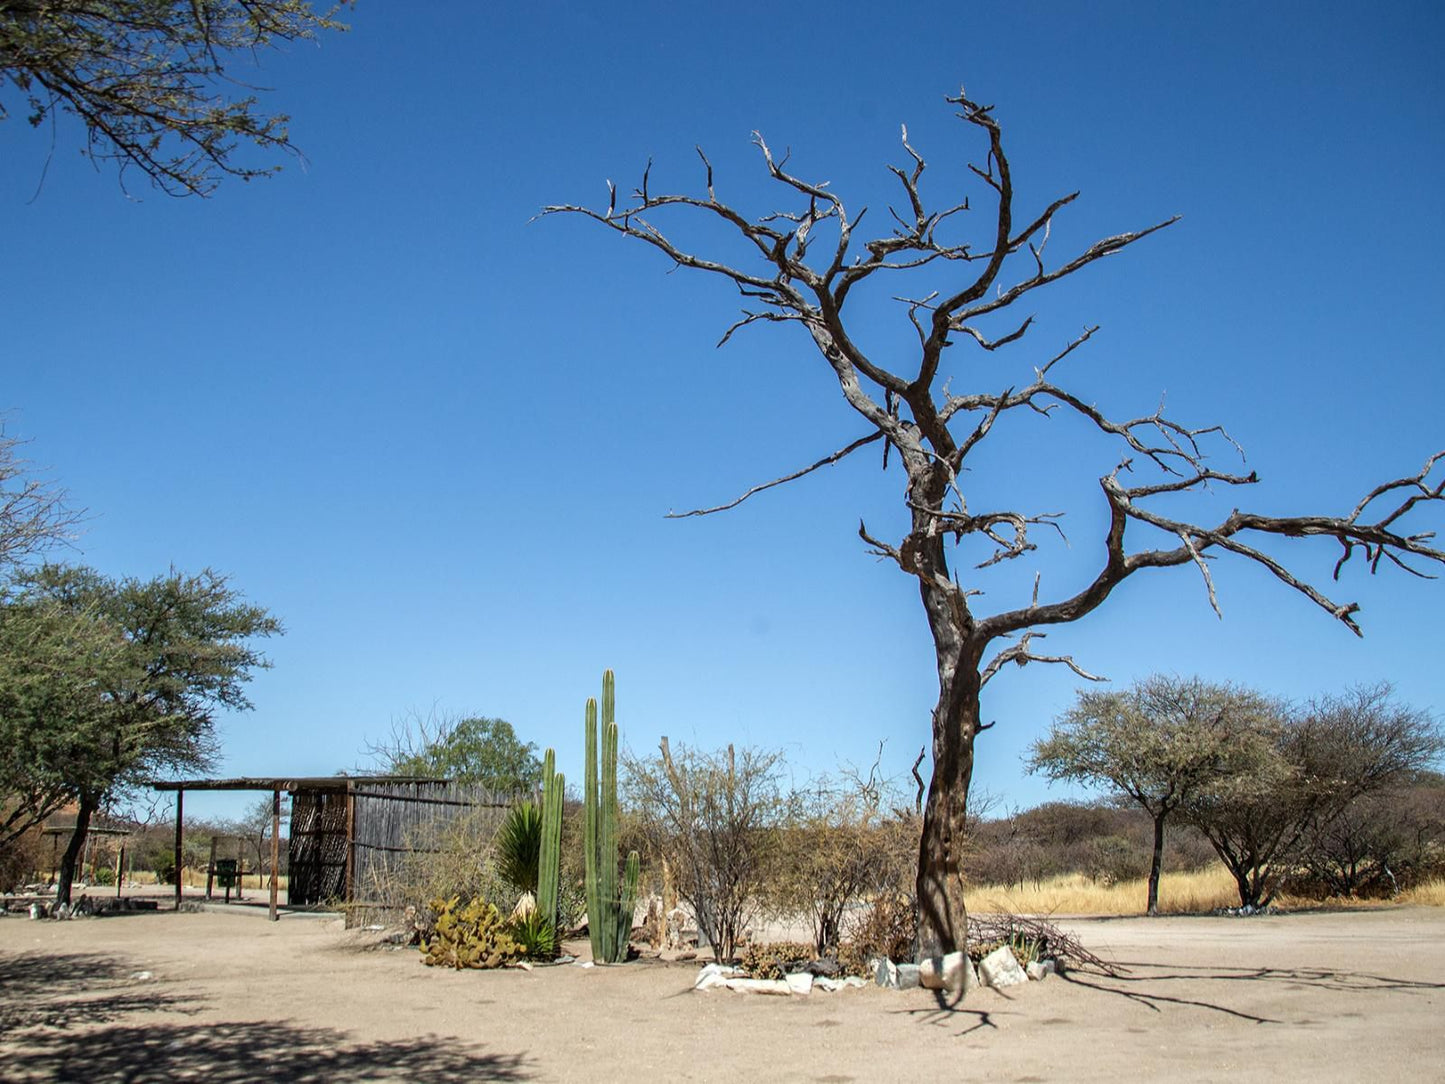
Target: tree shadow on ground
(949,1009)
(1324,978)
(39,990)
(58,1022)
(233,1053)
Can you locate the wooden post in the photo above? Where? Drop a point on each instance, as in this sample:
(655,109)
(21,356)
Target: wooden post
(211,869)
(275,847)
(119,867)
(350,842)
(180,820)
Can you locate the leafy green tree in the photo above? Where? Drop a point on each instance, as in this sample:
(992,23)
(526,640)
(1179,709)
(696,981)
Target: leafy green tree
(181,652)
(1324,756)
(52,662)
(471,749)
(1162,742)
(149,79)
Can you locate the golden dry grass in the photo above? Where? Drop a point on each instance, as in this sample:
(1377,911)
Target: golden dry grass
(1179,893)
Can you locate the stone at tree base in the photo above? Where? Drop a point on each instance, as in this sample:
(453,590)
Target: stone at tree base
(1001,968)
(907,975)
(713,975)
(800,982)
(952,973)
(759,986)
(1038,970)
(885,973)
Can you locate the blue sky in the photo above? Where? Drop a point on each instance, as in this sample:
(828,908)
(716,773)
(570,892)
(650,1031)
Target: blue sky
(438,438)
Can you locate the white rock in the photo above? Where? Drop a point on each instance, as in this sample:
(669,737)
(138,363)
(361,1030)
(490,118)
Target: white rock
(759,986)
(855,981)
(885,973)
(822,982)
(142,976)
(1001,968)
(800,983)
(907,976)
(713,975)
(953,973)
(1038,970)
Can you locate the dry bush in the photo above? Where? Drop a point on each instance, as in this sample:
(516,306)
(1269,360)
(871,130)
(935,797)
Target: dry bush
(838,850)
(452,859)
(714,818)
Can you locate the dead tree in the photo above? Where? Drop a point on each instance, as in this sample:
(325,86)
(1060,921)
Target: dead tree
(810,259)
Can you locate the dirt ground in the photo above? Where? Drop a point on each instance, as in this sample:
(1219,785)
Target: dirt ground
(231,997)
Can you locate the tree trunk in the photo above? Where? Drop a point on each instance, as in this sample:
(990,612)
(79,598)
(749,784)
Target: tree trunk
(1156,866)
(89,803)
(942,917)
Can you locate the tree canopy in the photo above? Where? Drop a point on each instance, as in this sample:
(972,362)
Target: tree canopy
(1161,742)
(34,513)
(122,682)
(1324,756)
(470,749)
(150,80)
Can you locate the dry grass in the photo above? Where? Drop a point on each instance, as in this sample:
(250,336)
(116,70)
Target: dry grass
(1179,893)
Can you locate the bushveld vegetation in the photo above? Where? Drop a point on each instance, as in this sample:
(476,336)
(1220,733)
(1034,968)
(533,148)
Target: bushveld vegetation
(723,833)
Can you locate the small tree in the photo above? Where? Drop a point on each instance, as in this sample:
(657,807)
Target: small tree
(1162,742)
(1323,757)
(469,749)
(838,847)
(144,78)
(184,652)
(255,827)
(715,818)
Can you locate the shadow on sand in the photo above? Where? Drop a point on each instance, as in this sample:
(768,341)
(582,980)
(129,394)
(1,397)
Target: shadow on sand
(73,1018)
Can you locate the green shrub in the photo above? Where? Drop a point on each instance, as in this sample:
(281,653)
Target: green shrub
(773,961)
(470,935)
(534,934)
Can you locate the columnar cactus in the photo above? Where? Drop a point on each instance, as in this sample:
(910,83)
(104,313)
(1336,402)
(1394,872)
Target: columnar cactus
(609,913)
(550,853)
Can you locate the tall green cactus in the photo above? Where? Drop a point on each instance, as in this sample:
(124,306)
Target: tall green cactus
(609,913)
(549,858)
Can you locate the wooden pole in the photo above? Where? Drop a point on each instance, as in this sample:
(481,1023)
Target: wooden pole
(350,842)
(275,847)
(211,869)
(119,867)
(180,820)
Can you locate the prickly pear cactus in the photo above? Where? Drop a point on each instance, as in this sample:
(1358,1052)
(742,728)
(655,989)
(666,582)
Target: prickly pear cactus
(470,935)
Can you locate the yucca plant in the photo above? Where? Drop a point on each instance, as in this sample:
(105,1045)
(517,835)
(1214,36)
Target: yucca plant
(533,931)
(519,844)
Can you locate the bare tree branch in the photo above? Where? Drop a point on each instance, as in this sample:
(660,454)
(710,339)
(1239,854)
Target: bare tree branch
(827,460)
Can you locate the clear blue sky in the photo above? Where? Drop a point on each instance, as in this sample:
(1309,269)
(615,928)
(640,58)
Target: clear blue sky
(438,439)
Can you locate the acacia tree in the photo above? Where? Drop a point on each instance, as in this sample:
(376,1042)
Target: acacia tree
(808,260)
(1162,742)
(148,79)
(184,653)
(1324,756)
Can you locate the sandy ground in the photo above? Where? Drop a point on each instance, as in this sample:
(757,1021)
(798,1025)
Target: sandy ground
(232,997)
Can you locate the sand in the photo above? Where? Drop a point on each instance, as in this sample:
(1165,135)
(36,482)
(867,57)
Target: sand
(231,997)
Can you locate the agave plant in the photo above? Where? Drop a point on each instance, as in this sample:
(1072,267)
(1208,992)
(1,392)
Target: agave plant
(519,844)
(533,932)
